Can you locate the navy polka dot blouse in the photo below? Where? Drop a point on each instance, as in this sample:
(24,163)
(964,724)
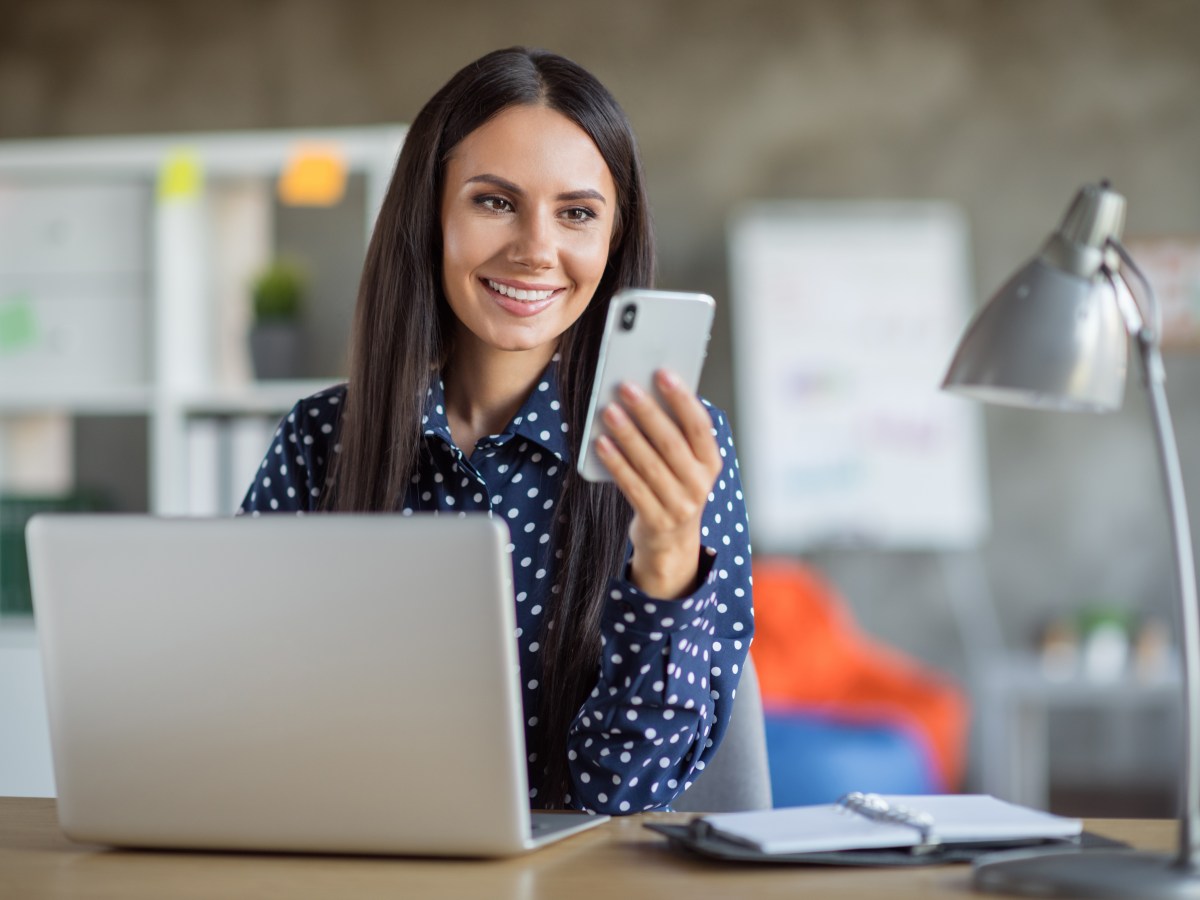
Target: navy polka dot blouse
(669,669)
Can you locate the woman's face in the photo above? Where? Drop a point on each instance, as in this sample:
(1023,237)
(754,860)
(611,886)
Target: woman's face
(527,217)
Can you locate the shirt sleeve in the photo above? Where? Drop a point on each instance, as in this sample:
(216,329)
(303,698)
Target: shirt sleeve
(669,669)
(292,474)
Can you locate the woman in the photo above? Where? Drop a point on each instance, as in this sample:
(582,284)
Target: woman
(516,211)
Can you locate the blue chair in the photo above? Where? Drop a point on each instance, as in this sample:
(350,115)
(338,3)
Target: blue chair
(816,759)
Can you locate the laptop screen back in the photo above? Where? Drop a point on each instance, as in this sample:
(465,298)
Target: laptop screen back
(323,683)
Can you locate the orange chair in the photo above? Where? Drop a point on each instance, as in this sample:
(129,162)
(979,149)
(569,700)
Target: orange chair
(814,663)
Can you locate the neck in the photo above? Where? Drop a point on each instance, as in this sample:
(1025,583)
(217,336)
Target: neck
(485,387)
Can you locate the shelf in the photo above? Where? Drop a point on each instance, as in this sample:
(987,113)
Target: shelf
(17,631)
(1023,680)
(258,398)
(82,401)
(239,154)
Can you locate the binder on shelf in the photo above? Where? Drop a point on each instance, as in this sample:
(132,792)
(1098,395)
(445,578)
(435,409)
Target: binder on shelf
(869,829)
(250,439)
(204,467)
(223,457)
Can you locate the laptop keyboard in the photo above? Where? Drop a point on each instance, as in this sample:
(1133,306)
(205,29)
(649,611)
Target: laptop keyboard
(547,822)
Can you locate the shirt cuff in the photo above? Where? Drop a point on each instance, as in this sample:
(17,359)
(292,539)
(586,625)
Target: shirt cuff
(629,609)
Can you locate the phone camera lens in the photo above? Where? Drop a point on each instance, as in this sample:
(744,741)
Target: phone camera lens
(628,315)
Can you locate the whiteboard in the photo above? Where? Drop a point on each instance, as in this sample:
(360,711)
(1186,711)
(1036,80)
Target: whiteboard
(845,316)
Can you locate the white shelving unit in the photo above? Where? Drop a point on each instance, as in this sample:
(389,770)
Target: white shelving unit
(124,295)
(130,265)
(1018,704)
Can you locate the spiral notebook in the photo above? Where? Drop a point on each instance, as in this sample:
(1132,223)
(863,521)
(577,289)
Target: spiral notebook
(868,821)
(864,829)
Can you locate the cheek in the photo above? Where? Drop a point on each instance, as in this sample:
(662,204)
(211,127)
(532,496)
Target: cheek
(465,246)
(452,249)
(591,260)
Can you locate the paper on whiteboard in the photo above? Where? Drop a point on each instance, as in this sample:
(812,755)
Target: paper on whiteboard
(845,317)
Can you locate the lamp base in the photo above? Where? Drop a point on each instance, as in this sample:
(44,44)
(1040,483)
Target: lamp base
(1088,873)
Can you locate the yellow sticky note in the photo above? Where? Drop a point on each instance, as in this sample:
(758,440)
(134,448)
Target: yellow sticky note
(181,176)
(314,176)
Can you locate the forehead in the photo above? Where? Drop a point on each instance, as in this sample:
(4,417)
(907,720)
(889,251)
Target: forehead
(534,147)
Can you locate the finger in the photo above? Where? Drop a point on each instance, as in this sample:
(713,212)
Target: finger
(689,444)
(642,456)
(660,430)
(693,418)
(643,500)
(678,500)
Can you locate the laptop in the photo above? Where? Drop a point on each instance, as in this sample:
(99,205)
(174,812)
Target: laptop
(327,684)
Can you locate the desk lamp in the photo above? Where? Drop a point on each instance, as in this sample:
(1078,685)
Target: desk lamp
(1055,336)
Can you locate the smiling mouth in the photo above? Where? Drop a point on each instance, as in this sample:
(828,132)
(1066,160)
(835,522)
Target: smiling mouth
(524,296)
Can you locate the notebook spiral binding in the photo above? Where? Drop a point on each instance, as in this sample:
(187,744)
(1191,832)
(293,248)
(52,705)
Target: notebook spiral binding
(875,808)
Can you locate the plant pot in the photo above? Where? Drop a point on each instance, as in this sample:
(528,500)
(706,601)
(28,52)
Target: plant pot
(275,349)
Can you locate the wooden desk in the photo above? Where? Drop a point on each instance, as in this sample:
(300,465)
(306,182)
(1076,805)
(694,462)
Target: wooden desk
(616,860)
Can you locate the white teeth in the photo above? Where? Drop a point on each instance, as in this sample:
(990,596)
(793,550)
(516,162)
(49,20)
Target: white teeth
(516,293)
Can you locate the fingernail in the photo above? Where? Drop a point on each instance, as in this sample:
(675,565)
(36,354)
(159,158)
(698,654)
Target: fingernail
(631,392)
(615,414)
(669,379)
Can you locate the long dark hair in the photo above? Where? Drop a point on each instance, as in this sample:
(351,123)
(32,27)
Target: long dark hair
(402,325)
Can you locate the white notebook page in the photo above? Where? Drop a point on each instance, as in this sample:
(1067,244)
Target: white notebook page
(957,818)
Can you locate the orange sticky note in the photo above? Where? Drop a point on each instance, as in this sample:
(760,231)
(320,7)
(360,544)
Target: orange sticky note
(314,176)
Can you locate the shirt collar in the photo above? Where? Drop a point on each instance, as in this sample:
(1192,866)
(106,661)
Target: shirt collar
(433,419)
(538,420)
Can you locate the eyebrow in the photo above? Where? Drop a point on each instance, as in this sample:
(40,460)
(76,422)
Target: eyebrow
(505,184)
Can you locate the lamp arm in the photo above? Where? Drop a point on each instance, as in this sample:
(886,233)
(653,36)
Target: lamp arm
(1146,329)
(1152,317)
(1154,376)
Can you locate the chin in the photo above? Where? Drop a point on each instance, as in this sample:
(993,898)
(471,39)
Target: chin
(521,346)
(519,340)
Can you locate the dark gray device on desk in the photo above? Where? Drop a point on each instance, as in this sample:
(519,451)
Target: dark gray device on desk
(646,331)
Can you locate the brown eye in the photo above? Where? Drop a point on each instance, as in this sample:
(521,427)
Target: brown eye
(579,214)
(494,203)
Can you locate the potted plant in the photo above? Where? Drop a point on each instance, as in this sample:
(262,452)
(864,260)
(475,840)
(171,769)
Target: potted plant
(275,338)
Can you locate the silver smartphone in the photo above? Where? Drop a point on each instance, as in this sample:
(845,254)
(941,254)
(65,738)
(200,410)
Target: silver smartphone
(646,331)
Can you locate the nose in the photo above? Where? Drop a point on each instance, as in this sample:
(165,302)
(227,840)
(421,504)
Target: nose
(534,245)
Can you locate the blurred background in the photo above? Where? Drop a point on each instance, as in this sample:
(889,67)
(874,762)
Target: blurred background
(1049,613)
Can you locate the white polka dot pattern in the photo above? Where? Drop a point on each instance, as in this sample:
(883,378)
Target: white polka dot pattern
(669,668)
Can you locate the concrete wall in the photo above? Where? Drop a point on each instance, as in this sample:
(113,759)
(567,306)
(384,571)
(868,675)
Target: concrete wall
(1004,108)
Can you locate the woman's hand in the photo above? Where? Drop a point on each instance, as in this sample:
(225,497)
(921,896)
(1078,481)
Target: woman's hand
(666,471)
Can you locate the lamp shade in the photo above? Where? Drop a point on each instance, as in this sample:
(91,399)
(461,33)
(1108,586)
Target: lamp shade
(1048,338)
(1055,335)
